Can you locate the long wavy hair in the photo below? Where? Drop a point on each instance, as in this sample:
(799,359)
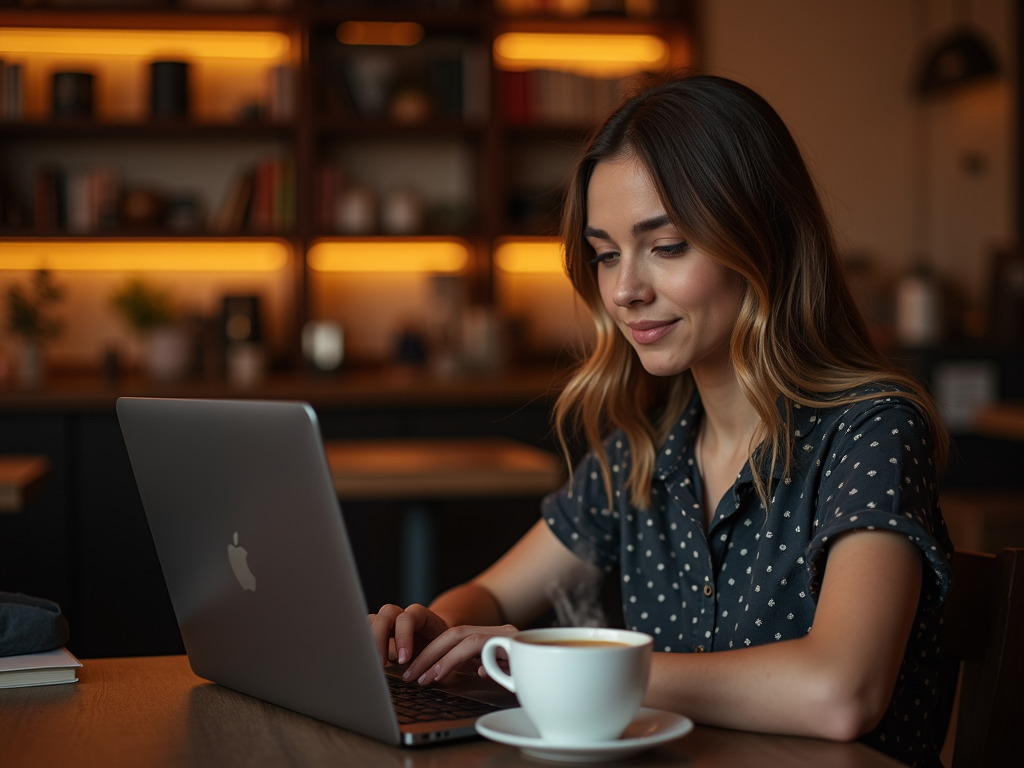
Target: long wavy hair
(732,178)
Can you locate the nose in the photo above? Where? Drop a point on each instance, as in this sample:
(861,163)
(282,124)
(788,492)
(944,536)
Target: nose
(632,285)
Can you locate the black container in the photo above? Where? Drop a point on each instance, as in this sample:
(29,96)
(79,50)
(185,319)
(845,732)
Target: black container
(168,90)
(72,94)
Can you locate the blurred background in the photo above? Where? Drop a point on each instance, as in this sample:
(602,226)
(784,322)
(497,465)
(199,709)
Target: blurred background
(354,203)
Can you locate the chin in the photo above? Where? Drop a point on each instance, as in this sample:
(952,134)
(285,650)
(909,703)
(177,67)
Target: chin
(662,367)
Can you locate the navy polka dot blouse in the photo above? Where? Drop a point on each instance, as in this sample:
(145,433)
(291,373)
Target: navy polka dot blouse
(753,577)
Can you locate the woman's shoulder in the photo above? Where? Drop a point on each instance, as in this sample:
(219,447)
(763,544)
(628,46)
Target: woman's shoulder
(874,398)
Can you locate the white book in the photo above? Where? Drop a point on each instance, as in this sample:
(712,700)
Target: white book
(46,668)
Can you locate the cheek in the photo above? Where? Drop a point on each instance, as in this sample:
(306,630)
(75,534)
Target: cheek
(606,286)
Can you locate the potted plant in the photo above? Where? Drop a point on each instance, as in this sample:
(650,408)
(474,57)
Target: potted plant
(29,318)
(151,314)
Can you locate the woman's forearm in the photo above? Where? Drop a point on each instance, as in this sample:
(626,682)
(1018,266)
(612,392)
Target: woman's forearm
(467,604)
(781,688)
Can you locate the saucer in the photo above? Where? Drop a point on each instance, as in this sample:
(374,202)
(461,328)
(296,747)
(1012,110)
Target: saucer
(649,728)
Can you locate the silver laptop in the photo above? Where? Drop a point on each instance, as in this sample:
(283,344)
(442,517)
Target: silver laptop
(259,569)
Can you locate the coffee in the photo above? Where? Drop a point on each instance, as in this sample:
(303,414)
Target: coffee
(577,643)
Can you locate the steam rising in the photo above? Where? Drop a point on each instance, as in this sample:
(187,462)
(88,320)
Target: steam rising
(577,603)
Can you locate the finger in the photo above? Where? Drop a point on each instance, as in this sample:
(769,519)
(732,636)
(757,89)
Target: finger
(383,625)
(415,620)
(451,649)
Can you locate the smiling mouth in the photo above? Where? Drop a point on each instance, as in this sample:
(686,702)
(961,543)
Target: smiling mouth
(648,332)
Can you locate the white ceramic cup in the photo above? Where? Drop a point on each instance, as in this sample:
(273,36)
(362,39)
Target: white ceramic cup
(577,685)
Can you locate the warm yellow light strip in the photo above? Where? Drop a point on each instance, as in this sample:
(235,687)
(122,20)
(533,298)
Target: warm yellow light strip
(380,33)
(389,255)
(148,43)
(145,255)
(595,54)
(536,255)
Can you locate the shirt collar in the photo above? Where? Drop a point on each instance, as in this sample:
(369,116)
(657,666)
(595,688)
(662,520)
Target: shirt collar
(678,447)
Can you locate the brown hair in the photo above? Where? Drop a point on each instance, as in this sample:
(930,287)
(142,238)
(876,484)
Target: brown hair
(730,175)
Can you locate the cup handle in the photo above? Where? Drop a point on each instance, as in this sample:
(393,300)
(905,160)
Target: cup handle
(490,660)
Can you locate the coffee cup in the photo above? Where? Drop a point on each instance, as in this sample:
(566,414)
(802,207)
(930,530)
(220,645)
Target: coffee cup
(577,685)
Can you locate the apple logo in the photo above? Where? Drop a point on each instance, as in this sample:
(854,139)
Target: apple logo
(237,555)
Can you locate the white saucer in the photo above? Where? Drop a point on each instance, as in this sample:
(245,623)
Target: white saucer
(649,728)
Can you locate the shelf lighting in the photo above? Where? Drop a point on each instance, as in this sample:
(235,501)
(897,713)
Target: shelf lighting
(204,44)
(380,33)
(421,254)
(146,255)
(533,255)
(603,55)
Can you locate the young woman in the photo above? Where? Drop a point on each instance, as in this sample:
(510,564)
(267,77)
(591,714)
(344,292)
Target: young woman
(760,478)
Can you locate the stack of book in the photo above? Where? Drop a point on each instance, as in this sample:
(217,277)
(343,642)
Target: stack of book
(80,202)
(549,97)
(260,200)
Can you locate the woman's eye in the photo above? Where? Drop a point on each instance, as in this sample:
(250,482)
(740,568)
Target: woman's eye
(673,249)
(603,258)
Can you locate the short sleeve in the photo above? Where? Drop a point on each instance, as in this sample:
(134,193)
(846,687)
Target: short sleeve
(881,476)
(581,517)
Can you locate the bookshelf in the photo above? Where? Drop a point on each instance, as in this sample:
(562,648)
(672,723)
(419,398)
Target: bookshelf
(303,135)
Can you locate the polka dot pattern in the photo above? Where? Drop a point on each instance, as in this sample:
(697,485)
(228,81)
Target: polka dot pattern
(753,577)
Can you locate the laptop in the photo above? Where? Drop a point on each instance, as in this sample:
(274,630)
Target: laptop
(254,550)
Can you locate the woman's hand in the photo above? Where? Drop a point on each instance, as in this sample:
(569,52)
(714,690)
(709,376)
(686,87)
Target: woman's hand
(419,635)
(400,633)
(457,649)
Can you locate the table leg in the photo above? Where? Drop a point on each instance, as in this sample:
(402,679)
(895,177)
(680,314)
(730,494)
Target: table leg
(417,569)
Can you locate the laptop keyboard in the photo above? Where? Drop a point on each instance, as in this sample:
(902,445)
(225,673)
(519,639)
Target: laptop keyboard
(415,703)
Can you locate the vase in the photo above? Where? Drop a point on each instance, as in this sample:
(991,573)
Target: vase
(166,354)
(31,365)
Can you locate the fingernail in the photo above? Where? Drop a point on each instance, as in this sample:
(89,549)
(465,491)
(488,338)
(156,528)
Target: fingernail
(437,672)
(403,655)
(405,675)
(422,678)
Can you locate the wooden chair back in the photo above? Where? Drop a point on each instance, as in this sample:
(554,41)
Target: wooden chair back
(984,629)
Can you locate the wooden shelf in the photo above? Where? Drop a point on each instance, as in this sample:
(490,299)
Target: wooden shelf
(183,130)
(317,135)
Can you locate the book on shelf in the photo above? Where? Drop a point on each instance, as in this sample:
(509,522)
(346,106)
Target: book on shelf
(232,216)
(551,97)
(282,93)
(46,668)
(12,97)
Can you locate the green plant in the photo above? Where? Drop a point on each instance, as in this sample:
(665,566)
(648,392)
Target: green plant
(28,314)
(143,306)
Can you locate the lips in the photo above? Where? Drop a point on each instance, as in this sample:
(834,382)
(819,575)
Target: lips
(649,331)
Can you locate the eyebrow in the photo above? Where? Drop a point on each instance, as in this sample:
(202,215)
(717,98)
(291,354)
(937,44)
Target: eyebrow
(647,225)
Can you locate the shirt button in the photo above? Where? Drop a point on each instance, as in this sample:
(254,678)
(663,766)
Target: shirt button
(700,649)
(708,590)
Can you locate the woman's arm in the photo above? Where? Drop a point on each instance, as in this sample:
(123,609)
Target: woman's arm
(513,591)
(836,682)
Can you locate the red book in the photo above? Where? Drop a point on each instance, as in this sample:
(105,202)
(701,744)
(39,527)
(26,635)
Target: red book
(516,93)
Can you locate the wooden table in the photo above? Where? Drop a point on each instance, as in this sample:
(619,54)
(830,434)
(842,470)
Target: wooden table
(154,712)
(1004,420)
(422,470)
(441,468)
(20,477)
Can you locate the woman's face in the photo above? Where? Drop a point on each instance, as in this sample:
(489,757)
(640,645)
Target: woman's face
(676,305)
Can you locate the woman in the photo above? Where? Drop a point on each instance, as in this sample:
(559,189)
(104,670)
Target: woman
(760,477)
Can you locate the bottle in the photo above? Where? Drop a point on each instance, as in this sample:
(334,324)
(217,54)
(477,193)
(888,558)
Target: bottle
(918,308)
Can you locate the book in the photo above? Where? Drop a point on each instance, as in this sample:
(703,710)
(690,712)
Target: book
(46,668)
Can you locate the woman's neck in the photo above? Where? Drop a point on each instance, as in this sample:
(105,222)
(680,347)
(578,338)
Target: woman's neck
(730,421)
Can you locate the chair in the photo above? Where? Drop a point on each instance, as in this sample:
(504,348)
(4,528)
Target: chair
(984,629)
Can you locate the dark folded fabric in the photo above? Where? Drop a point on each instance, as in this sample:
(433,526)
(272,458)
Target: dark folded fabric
(30,624)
